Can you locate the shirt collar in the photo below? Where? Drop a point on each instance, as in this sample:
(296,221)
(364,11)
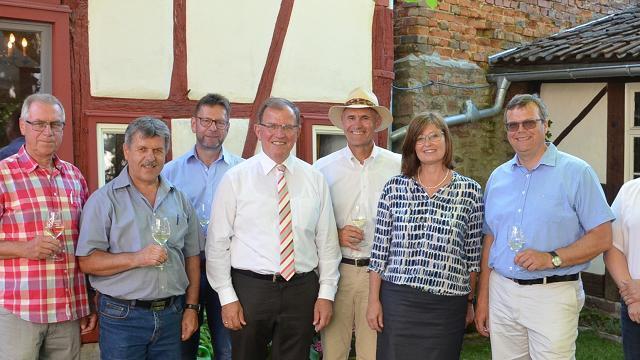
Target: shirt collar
(28,164)
(549,158)
(123,180)
(348,154)
(268,164)
(192,154)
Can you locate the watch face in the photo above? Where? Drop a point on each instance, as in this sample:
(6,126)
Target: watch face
(556,260)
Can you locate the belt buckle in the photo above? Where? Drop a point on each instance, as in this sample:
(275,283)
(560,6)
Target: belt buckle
(159,305)
(358,262)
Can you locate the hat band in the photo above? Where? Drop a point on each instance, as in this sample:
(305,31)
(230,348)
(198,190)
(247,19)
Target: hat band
(359,101)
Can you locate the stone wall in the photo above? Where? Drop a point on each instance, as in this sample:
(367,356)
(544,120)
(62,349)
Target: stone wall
(451,45)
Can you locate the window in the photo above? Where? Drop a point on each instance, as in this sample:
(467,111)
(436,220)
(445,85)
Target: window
(25,65)
(326,139)
(632,147)
(110,154)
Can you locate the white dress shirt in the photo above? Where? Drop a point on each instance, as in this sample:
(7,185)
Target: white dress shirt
(243,231)
(352,183)
(627,225)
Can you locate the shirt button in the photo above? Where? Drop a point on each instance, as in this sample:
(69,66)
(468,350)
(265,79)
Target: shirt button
(519,210)
(528,175)
(523,193)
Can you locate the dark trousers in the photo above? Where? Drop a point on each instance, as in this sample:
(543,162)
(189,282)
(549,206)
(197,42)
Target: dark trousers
(277,312)
(219,334)
(420,325)
(630,334)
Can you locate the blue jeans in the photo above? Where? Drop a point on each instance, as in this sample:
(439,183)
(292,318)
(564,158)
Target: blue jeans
(630,334)
(128,332)
(219,334)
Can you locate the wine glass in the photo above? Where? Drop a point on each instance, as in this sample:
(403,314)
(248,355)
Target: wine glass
(54,227)
(203,217)
(516,242)
(160,231)
(359,218)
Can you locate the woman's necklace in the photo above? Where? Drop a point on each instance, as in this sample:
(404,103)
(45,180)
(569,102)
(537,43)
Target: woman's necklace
(438,184)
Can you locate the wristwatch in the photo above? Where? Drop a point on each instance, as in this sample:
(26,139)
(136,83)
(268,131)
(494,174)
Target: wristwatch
(555,259)
(195,307)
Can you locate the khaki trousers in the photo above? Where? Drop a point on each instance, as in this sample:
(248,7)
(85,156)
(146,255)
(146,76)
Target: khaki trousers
(24,340)
(538,322)
(349,309)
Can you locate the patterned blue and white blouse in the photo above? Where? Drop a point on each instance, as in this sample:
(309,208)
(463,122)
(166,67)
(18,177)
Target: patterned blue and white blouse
(429,243)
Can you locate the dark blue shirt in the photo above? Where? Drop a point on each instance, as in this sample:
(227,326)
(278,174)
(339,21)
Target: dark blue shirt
(12,148)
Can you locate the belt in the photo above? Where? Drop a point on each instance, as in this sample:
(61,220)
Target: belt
(547,279)
(155,305)
(269,277)
(355,262)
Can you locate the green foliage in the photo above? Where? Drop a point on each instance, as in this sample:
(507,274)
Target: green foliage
(430,3)
(597,320)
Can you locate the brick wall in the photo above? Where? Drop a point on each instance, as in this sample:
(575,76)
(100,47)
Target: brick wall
(451,44)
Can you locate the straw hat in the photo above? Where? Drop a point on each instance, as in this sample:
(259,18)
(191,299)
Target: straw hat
(360,99)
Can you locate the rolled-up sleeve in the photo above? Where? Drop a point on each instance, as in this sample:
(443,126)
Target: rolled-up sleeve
(473,237)
(382,238)
(95,224)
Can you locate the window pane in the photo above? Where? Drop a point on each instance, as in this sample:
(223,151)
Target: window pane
(636,111)
(23,48)
(113,155)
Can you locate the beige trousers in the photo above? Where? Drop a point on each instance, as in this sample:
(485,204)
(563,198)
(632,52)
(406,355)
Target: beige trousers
(533,321)
(24,340)
(349,309)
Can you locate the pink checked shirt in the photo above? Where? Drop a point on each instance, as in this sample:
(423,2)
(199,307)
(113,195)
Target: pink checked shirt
(41,291)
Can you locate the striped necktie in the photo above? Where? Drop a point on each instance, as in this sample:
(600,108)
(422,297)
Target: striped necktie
(287,262)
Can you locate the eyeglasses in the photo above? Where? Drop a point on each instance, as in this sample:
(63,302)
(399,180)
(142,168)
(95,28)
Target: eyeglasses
(206,122)
(526,124)
(433,138)
(286,128)
(39,126)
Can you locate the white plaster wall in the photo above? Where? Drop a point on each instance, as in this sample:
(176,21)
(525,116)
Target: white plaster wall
(327,51)
(183,139)
(588,140)
(130,48)
(227,46)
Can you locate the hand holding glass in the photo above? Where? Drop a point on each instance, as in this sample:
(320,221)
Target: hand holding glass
(54,227)
(516,242)
(160,231)
(359,219)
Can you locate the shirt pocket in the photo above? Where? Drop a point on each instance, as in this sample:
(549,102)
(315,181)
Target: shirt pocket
(305,213)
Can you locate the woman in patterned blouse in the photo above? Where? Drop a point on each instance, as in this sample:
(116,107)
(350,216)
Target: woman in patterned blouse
(426,251)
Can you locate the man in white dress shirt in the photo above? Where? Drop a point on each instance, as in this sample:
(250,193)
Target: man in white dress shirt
(272,247)
(356,176)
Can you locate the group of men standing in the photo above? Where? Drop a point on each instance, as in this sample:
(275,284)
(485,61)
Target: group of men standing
(282,256)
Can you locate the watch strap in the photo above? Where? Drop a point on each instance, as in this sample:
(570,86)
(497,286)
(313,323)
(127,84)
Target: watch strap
(195,307)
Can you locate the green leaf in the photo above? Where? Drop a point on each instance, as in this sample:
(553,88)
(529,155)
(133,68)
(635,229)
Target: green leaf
(432,3)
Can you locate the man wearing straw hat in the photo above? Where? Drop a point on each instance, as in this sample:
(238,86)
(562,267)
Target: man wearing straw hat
(356,175)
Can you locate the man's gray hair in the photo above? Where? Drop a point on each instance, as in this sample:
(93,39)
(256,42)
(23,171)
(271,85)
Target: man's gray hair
(279,104)
(41,98)
(148,127)
(522,100)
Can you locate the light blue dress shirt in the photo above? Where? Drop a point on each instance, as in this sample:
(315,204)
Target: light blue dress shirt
(199,182)
(555,204)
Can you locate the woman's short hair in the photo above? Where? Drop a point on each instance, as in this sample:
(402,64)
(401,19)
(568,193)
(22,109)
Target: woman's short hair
(410,161)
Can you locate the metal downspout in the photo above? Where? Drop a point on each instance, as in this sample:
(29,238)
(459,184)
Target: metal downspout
(471,112)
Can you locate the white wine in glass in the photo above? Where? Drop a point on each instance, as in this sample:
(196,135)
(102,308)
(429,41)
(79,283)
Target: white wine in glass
(516,242)
(358,217)
(54,227)
(160,231)
(203,218)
